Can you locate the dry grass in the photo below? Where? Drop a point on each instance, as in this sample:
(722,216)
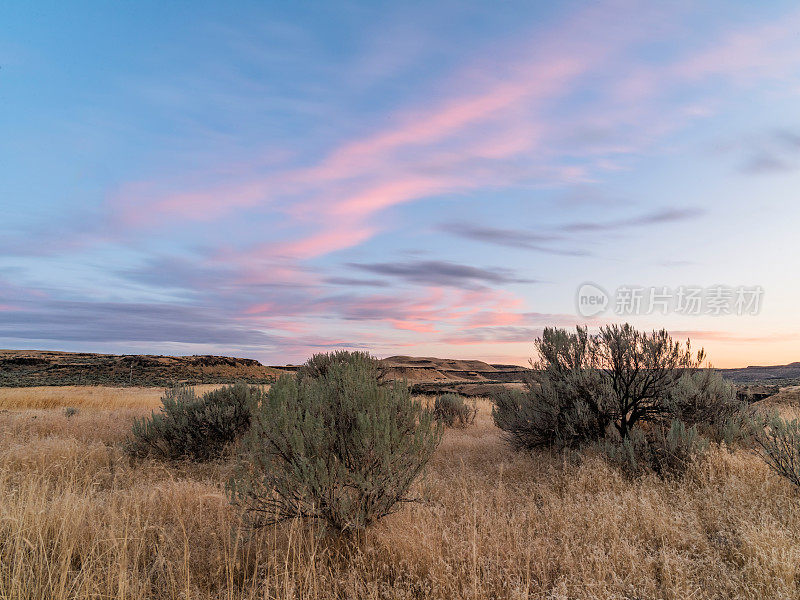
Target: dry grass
(786,402)
(78,520)
(85,396)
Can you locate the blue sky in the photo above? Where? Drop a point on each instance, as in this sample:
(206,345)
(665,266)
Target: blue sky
(276,179)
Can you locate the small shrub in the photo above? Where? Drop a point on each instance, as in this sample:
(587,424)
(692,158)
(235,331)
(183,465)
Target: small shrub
(195,428)
(333,445)
(778,441)
(453,410)
(70,411)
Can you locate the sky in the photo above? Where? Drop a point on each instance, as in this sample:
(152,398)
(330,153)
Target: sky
(276,179)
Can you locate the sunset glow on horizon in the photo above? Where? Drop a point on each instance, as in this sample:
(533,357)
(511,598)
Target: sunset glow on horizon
(271,180)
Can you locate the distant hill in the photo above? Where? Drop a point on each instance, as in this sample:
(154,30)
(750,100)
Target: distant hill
(24,368)
(777,374)
(428,375)
(473,377)
(425,374)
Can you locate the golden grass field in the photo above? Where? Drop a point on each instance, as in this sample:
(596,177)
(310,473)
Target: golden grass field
(79,520)
(85,396)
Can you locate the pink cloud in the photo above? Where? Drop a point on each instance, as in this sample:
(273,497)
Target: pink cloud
(412,326)
(727,336)
(279,324)
(435,309)
(319,243)
(425,128)
(383,169)
(491,318)
(258,309)
(430,311)
(388,193)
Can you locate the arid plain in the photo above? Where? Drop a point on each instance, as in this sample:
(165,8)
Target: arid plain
(79,519)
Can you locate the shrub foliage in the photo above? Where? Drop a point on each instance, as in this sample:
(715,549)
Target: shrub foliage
(333,444)
(778,441)
(666,451)
(319,364)
(644,390)
(188,427)
(454,411)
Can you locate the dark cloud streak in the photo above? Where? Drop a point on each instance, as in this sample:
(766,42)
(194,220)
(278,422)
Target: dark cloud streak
(543,240)
(660,217)
(352,281)
(512,238)
(774,152)
(436,272)
(127,322)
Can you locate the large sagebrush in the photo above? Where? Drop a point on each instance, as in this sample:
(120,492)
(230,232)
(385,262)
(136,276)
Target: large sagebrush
(197,428)
(319,364)
(333,445)
(596,388)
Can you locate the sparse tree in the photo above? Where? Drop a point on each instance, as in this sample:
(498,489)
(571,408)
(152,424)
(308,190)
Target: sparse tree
(640,370)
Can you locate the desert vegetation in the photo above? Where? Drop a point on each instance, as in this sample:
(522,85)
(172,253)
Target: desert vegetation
(196,428)
(334,444)
(82,518)
(641,398)
(454,410)
(778,441)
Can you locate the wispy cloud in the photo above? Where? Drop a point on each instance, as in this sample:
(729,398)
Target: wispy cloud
(512,238)
(728,336)
(775,151)
(442,273)
(767,163)
(659,217)
(353,281)
(494,335)
(553,240)
(124,321)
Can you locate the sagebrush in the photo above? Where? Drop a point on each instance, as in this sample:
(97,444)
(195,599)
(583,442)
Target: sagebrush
(454,411)
(319,364)
(778,441)
(665,450)
(623,389)
(333,445)
(197,428)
